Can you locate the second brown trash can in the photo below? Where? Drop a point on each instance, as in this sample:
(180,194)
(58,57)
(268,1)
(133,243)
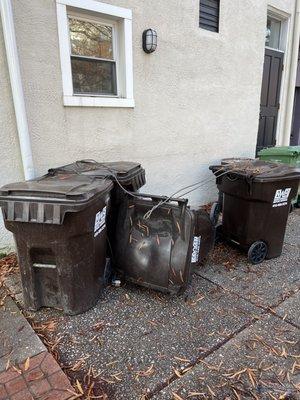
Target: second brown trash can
(125,174)
(59,226)
(155,250)
(256,203)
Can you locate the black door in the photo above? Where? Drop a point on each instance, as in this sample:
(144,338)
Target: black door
(269,100)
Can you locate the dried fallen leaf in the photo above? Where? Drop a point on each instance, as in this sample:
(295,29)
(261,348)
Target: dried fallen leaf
(176,396)
(284,353)
(185,370)
(236,374)
(27,364)
(177,373)
(17,369)
(211,391)
(193,394)
(74,395)
(181,359)
(79,387)
(98,326)
(148,372)
(251,377)
(236,394)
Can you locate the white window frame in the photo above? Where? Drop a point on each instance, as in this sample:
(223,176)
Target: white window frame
(121,19)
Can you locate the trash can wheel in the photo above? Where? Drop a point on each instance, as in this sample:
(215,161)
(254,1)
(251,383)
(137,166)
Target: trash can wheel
(215,213)
(257,252)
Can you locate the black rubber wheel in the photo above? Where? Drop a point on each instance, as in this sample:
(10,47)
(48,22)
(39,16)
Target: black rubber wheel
(215,213)
(257,252)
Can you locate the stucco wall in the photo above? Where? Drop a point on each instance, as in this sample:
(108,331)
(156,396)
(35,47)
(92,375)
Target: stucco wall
(197,97)
(10,160)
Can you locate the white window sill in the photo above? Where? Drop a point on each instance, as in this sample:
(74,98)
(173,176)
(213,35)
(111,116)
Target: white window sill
(88,101)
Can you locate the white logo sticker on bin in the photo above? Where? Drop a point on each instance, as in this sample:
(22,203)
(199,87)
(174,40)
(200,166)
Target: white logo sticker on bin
(281,197)
(196,249)
(100,222)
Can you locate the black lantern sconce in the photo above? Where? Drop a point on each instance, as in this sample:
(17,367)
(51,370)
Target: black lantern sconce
(149,40)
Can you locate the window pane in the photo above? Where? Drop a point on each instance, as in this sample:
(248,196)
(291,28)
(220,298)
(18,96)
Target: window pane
(90,39)
(273,33)
(94,77)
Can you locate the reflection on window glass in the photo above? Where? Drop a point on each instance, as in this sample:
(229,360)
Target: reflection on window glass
(92,58)
(90,39)
(273,33)
(93,76)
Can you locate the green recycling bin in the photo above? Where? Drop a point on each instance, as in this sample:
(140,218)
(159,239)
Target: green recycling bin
(285,154)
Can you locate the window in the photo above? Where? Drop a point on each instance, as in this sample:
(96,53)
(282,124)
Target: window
(93,58)
(95,41)
(209,15)
(273,33)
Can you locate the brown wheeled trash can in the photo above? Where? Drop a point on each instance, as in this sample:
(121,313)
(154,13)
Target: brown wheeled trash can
(59,226)
(256,202)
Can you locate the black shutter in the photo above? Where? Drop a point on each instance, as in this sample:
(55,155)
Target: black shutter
(209,15)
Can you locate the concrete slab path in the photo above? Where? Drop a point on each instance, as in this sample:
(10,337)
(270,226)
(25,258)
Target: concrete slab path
(235,336)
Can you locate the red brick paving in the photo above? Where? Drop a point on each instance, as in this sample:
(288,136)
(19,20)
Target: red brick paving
(43,380)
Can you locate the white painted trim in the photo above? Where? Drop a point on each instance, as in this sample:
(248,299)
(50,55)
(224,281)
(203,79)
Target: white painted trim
(64,49)
(17,88)
(85,101)
(127,45)
(124,58)
(272,48)
(277,13)
(291,77)
(96,6)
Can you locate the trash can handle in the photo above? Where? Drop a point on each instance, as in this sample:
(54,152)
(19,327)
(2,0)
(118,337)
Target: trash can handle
(87,161)
(167,199)
(230,177)
(182,203)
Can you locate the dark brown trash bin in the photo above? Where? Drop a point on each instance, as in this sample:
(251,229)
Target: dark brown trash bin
(218,206)
(59,226)
(129,174)
(256,203)
(155,251)
(126,175)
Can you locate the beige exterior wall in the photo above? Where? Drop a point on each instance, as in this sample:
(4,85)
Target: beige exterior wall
(10,159)
(197,97)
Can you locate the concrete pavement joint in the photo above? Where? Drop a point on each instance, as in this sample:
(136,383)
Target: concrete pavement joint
(268,310)
(206,354)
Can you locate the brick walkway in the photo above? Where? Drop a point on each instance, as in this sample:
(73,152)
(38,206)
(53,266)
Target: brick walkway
(42,379)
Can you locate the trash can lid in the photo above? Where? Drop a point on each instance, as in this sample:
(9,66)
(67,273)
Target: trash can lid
(258,170)
(120,169)
(57,189)
(233,160)
(291,151)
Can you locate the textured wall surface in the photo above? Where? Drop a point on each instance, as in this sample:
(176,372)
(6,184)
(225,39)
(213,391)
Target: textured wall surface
(197,97)
(10,159)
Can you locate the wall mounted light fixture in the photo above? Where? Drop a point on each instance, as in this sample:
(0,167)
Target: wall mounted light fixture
(149,40)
